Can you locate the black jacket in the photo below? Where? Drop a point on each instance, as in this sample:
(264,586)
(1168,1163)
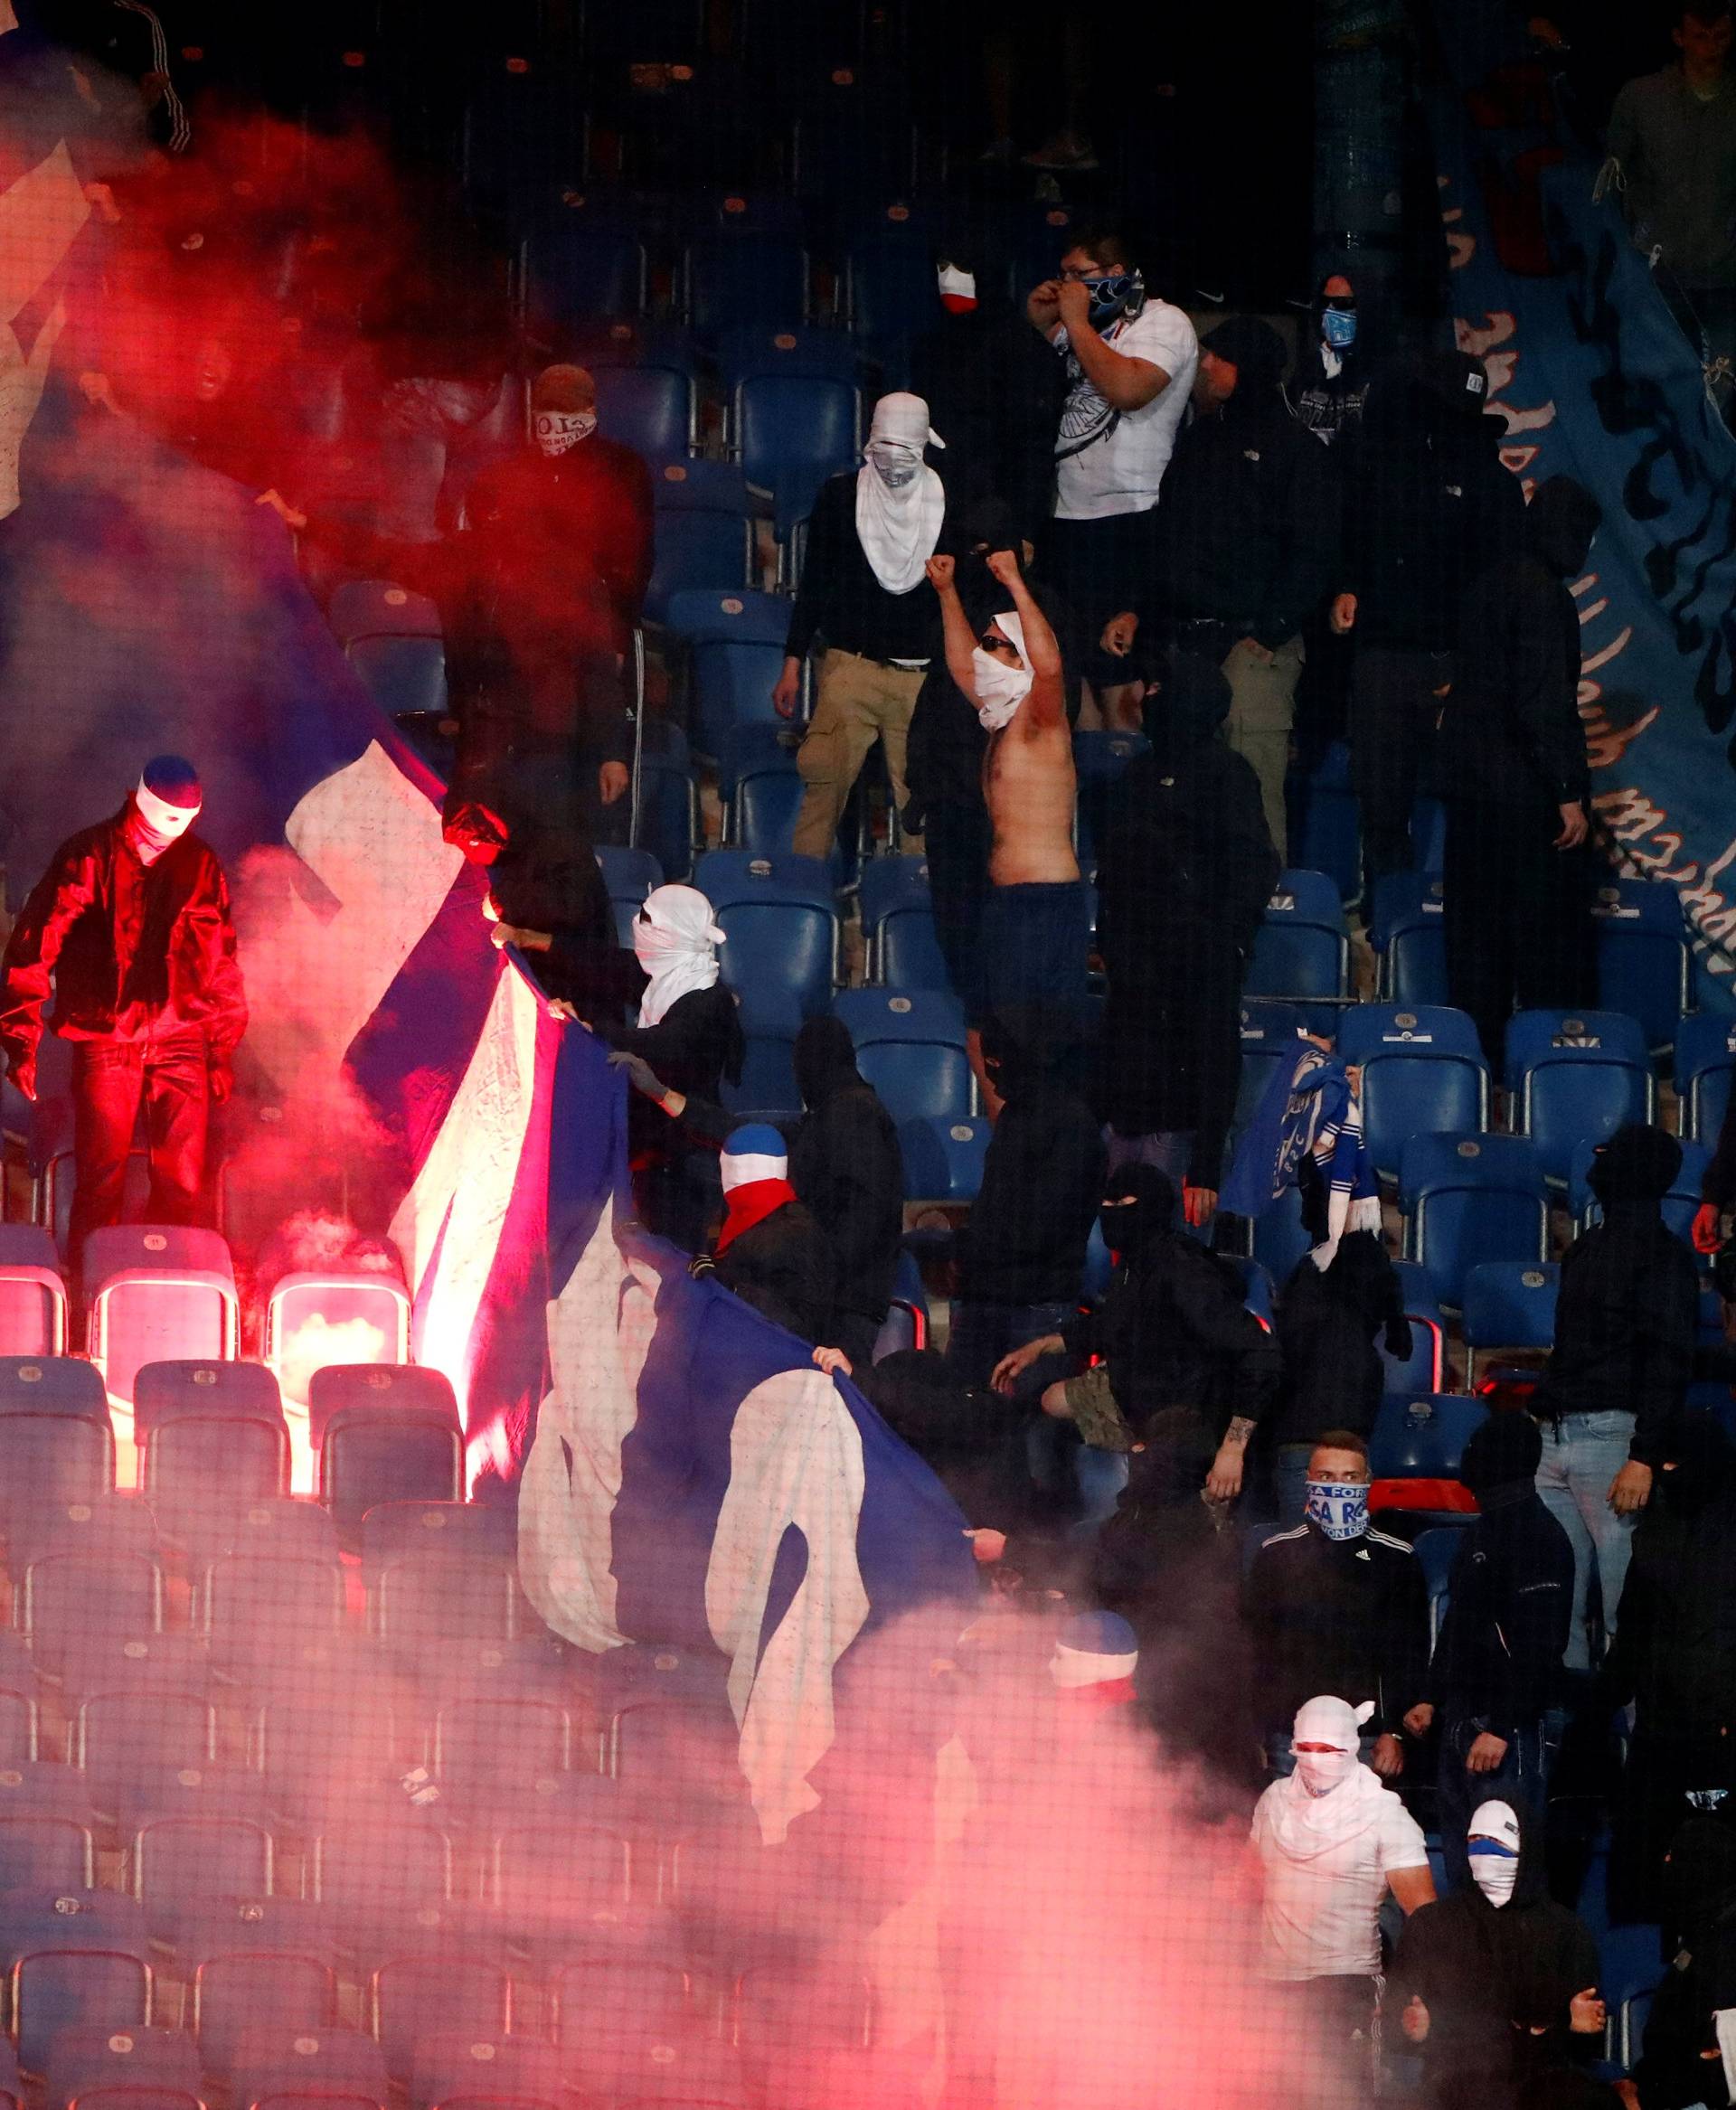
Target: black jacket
(842,601)
(845,1165)
(1498,1982)
(994,392)
(127,947)
(1718,1183)
(1498,1660)
(1174,1330)
(1700,1978)
(1328,1322)
(1346,1617)
(1186,868)
(1428,506)
(1248,530)
(1674,1650)
(785,1268)
(1042,1176)
(1511,734)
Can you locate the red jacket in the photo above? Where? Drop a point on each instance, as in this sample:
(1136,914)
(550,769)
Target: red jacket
(125,947)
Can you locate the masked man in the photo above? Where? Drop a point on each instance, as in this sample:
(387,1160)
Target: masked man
(130,929)
(1332,376)
(1333,1606)
(870,537)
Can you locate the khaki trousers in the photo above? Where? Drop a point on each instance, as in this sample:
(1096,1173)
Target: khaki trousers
(1262,708)
(860,701)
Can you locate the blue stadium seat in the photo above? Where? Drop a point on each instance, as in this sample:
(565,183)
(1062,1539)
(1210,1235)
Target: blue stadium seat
(906,1323)
(258,1608)
(1643,954)
(629,875)
(1409,933)
(375,607)
(1681,1204)
(1326,830)
(1705,1058)
(17,1726)
(110,1524)
(412,1996)
(180,1863)
(388,1451)
(736,281)
(1423,1074)
(897,925)
(1576,1076)
(768,1087)
(653,409)
(456,2065)
(912,1049)
(70,1597)
(46,1853)
(699,549)
(1303,948)
(582,265)
(1424,1369)
(943,1157)
(402,674)
(1509,1304)
(272,2063)
(1423,1438)
(890,287)
(244,1989)
(765,789)
(210,1435)
(792,431)
(545,1879)
(1630,1966)
(85,1969)
(1268,1033)
(668,799)
(781,929)
(1471,1198)
(33,1293)
(1436,1551)
(118,1737)
(736,641)
(755,354)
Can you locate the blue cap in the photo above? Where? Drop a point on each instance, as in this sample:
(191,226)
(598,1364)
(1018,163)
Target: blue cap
(172,779)
(1099,1633)
(754,1139)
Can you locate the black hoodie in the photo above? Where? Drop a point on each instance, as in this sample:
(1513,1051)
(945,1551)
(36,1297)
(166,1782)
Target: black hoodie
(1327,1321)
(845,1165)
(1498,1659)
(1498,1982)
(1628,1308)
(1700,1978)
(1511,734)
(1248,530)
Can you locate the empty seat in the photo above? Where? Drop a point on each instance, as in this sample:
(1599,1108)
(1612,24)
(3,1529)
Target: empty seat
(180,1863)
(395,1531)
(413,1997)
(1705,1059)
(1471,1198)
(1577,1076)
(258,1608)
(1423,1370)
(45,1853)
(1303,948)
(121,1662)
(653,410)
(582,264)
(406,676)
(546,1882)
(427,1606)
(1407,931)
(1423,1438)
(406,1446)
(108,1524)
(1509,1304)
(316,1318)
(157,1292)
(68,1596)
(453,2066)
(1644,962)
(253,1989)
(1423,1074)
(898,924)
(1630,1966)
(889,288)
(331,2064)
(735,642)
(499,1744)
(792,432)
(731,281)
(1325,832)
(212,1436)
(85,2058)
(764,801)
(17,1727)
(79,1962)
(33,1293)
(605,2009)
(375,1872)
(943,1157)
(120,1740)
(321,1740)
(704,550)
(57,1443)
(910,1046)
(375,607)
(780,925)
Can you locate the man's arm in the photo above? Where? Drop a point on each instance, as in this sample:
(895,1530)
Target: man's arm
(1311,543)
(1404,1649)
(26,973)
(1667,1309)
(1046,704)
(960,640)
(1124,383)
(226,1020)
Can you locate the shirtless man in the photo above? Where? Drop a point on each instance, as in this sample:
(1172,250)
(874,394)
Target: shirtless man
(1036,933)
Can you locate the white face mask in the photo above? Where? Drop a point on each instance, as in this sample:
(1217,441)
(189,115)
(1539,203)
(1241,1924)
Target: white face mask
(1322,1771)
(1494,1849)
(895,465)
(556,430)
(959,285)
(1000,688)
(162,820)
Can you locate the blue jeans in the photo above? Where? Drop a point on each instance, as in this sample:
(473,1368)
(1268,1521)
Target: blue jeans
(1581,1456)
(1522,1778)
(982,1334)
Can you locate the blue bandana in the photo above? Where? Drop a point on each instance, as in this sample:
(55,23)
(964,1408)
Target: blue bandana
(1339,1508)
(1338,329)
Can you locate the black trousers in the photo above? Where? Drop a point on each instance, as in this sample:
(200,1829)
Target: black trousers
(1518,916)
(957,840)
(1393,711)
(167,1076)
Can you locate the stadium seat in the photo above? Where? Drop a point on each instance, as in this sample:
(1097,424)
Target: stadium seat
(500,1746)
(412,1452)
(412,1997)
(332,1315)
(433,1606)
(781,928)
(782,2013)
(125,1663)
(1509,1304)
(1302,951)
(212,1436)
(943,1158)
(1576,1076)
(17,1727)
(757,354)
(582,264)
(629,875)
(668,799)
(912,1049)
(1436,1551)
(1409,933)
(1326,827)
(1423,1074)
(890,285)
(767,1084)
(57,1443)
(140,1728)
(1630,1966)
(699,551)
(1681,1204)
(897,925)
(792,431)
(45,1853)
(736,281)
(157,1292)
(406,676)
(375,607)
(316,1743)
(603,2008)
(765,797)
(69,1597)
(545,1880)
(653,409)
(1424,1369)
(394,1533)
(1471,1198)
(456,2066)
(1643,956)
(255,1608)
(736,643)
(1423,1438)
(1257,1292)
(333,2066)
(107,1525)
(33,1293)
(373,1873)
(257,1989)
(180,1863)
(82,1962)
(1705,1059)
(1268,1035)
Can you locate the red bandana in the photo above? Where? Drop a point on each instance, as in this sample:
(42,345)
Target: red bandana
(750,1203)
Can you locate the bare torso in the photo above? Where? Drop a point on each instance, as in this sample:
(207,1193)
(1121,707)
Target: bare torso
(1029,785)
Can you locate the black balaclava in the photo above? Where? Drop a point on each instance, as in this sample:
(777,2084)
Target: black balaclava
(1130,1226)
(1189,703)
(1023,1045)
(1561,521)
(1699,1877)
(1638,1165)
(1503,1456)
(825,1058)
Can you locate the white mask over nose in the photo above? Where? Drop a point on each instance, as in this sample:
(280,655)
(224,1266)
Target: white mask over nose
(894,466)
(556,431)
(1493,1846)
(1322,1771)
(900,504)
(1001,689)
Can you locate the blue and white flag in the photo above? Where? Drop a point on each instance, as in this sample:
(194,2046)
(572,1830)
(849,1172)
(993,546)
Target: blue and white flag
(1307,1113)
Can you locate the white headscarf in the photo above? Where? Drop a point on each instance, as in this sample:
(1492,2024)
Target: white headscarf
(1494,1866)
(675,941)
(899,522)
(1338,1796)
(1001,689)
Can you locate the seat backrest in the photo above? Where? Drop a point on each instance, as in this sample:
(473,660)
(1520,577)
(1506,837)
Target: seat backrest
(750,354)
(1366,1031)
(45,1853)
(52,1384)
(1471,1198)
(141,1727)
(943,1158)
(1579,1038)
(405,1454)
(1705,1060)
(732,280)
(398,1531)
(233,1992)
(88,2057)
(66,1983)
(891,884)
(376,607)
(650,408)
(380,1388)
(797,427)
(454,2066)
(184,1860)
(1423,1438)
(209,1391)
(1511,1303)
(70,1595)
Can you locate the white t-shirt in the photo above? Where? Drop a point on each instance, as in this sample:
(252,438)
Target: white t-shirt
(1112,461)
(1320,1915)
